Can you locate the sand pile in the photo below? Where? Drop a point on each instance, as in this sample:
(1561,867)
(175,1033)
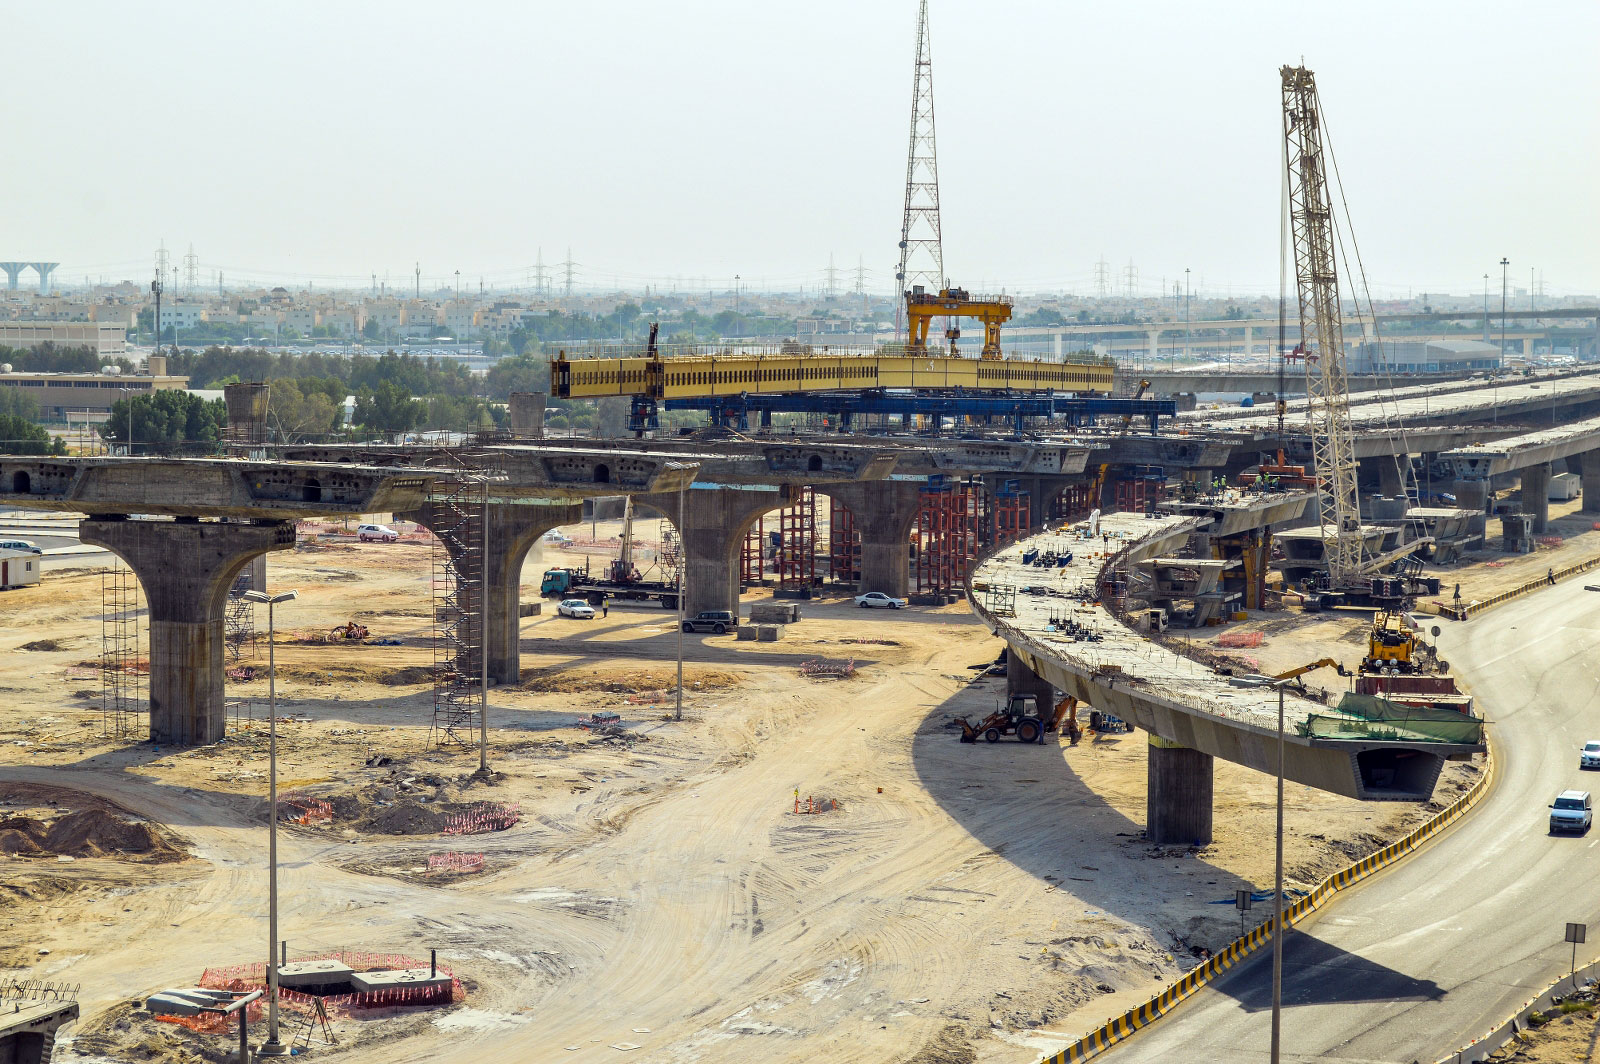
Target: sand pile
(90,833)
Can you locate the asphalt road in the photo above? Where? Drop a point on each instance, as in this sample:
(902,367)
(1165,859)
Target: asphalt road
(1432,953)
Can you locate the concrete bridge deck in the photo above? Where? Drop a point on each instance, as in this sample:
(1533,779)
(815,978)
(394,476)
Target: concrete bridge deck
(1191,713)
(1514,453)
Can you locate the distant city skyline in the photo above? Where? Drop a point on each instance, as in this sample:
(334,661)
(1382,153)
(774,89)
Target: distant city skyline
(709,140)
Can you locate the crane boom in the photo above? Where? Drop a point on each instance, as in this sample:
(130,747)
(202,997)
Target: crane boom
(1322,332)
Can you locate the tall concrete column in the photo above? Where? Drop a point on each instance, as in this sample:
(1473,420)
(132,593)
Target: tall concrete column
(1390,482)
(884,512)
(1249,341)
(1536,495)
(715,521)
(1178,794)
(186,568)
(512,531)
(1589,464)
(1472,495)
(1021,680)
(1155,346)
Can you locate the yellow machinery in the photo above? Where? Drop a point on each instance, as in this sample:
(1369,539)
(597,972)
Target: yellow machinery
(1098,485)
(922,308)
(699,376)
(1302,670)
(1390,642)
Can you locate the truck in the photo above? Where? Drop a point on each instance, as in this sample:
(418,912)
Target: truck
(620,580)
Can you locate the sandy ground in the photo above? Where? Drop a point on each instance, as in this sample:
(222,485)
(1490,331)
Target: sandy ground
(962,903)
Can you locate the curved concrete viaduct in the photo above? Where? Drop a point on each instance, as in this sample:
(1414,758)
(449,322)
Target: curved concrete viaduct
(1191,713)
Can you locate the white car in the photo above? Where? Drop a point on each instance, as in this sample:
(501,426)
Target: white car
(380,533)
(576,608)
(877,600)
(560,539)
(1589,756)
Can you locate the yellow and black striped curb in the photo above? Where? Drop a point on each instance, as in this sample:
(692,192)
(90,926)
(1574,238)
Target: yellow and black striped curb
(1116,1030)
(1461,613)
(1479,1048)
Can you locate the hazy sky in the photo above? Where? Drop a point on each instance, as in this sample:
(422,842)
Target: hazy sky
(297,141)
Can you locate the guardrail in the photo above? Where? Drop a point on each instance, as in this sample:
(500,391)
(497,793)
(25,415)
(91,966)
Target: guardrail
(1479,1048)
(1123,1027)
(1472,609)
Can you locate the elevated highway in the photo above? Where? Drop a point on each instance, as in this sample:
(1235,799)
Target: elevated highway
(1054,627)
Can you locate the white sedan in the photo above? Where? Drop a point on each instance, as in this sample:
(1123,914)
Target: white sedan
(878,600)
(576,608)
(380,533)
(1589,756)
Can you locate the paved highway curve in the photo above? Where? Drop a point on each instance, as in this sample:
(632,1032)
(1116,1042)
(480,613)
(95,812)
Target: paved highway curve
(1437,950)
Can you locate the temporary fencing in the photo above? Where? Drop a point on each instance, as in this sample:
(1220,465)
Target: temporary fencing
(816,805)
(250,976)
(1123,1027)
(834,669)
(455,862)
(304,809)
(1240,640)
(485,816)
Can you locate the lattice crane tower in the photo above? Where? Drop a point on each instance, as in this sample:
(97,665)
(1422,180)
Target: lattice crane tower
(1317,283)
(921,249)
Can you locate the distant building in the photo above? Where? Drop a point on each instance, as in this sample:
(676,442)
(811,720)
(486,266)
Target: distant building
(89,396)
(1433,356)
(106,338)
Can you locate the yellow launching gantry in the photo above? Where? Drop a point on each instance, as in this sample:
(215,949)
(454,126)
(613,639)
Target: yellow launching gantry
(922,308)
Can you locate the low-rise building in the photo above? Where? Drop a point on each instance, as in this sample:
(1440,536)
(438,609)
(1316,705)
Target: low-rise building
(87,396)
(106,338)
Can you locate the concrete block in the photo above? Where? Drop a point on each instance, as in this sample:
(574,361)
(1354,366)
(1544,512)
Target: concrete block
(745,632)
(389,980)
(314,973)
(530,609)
(767,633)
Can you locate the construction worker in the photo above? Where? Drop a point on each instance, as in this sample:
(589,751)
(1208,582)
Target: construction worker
(1549,576)
(605,607)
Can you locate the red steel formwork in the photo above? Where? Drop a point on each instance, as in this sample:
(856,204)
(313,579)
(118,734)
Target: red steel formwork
(844,544)
(1134,494)
(1073,504)
(1008,514)
(752,555)
(796,559)
(946,536)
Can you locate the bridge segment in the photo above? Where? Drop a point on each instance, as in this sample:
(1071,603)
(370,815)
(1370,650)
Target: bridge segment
(1058,631)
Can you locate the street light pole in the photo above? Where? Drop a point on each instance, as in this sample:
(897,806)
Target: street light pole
(272,1047)
(1504,262)
(1277,899)
(683,564)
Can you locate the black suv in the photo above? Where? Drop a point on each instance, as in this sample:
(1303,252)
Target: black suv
(716,621)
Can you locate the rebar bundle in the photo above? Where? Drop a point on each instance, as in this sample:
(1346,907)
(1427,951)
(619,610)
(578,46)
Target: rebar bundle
(120,666)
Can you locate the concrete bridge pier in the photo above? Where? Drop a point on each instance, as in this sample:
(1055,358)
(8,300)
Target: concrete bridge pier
(513,529)
(1178,794)
(1021,680)
(1472,495)
(1589,466)
(884,512)
(715,522)
(186,567)
(1390,481)
(1536,495)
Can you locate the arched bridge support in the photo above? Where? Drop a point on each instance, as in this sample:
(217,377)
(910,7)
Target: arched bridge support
(715,521)
(186,567)
(884,512)
(513,529)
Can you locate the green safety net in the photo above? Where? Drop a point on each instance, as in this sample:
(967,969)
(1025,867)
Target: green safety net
(1369,718)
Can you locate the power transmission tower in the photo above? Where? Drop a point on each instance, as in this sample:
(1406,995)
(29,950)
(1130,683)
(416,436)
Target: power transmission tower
(191,270)
(538,275)
(921,246)
(163,260)
(861,283)
(1130,277)
(1102,278)
(833,280)
(567,266)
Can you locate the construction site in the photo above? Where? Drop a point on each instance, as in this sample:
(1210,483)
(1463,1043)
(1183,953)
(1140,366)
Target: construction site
(946,727)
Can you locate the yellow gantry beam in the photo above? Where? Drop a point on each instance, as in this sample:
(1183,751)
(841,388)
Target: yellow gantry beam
(922,308)
(700,376)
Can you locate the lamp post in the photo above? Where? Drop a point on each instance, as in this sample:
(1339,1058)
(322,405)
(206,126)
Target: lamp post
(129,393)
(1504,262)
(272,1047)
(1277,898)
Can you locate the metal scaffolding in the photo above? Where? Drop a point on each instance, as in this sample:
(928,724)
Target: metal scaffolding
(121,708)
(796,544)
(669,558)
(458,610)
(753,554)
(946,535)
(844,544)
(240,635)
(1008,517)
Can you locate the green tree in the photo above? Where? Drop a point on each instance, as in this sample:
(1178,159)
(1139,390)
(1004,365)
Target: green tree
(519,373)
(21,436)
(163,420)
(389,408)
(371,329)
(298,409)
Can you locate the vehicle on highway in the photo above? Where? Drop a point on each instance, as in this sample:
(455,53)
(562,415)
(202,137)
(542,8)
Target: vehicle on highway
(877,600)
(718,622)
(1589,756)
(576,608)
(378,533)
(1571,811)
(21,544)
